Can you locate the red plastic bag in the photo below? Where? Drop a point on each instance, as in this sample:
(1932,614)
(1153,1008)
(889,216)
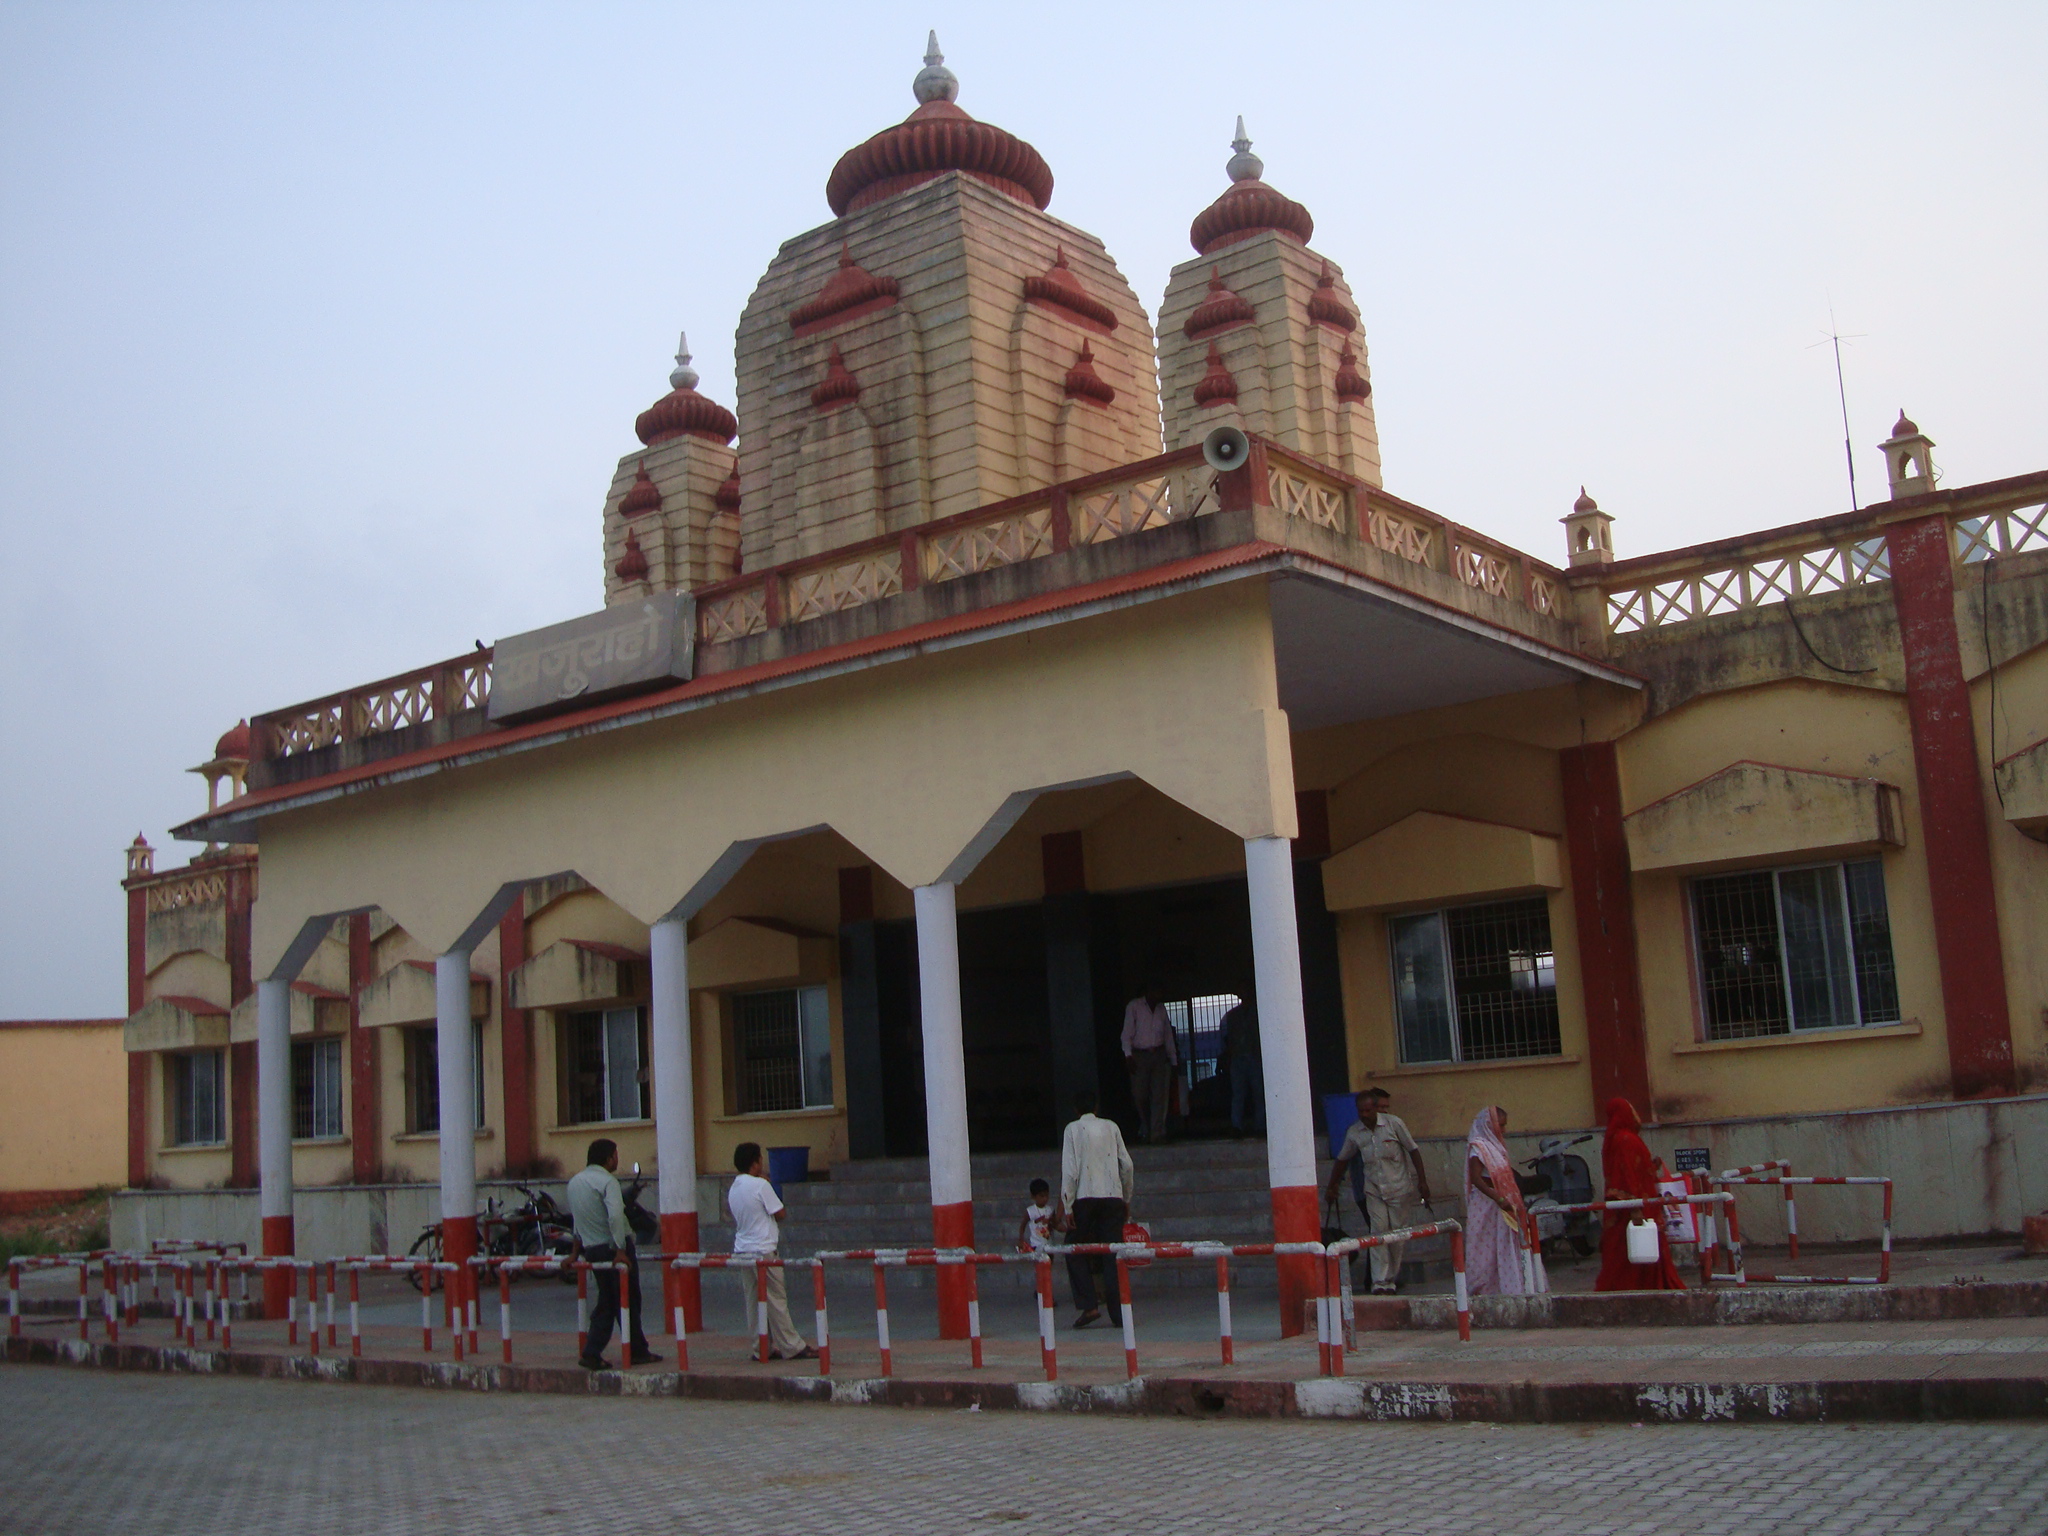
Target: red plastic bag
(1134,1233)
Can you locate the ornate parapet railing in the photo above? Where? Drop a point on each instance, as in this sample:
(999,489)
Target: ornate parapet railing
(412,698)
(1812,559)
(1089,510)
(196,889)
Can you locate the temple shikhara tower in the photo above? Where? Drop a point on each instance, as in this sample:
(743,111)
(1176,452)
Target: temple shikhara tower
(1007,651)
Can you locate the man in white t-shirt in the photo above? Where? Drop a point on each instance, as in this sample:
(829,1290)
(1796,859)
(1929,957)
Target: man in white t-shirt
(757,1213)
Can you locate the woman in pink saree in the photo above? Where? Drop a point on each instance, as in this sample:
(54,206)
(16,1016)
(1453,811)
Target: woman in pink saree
(1497,1263)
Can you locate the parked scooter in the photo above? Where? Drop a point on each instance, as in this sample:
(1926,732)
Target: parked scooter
(1563,1179)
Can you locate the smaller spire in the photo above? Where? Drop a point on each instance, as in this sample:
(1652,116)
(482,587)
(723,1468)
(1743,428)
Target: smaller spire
(1585,503)
(934,82)
(838,387)
(1905,426)
(1218,385)
(682,376)
(1244,165)
(641,496)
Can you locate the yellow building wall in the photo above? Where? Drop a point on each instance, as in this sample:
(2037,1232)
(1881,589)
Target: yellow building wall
(1823,728)
(63,1105)
(2019,864)
(192,975)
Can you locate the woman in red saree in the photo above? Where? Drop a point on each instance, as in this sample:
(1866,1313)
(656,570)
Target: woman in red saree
(1631,1174)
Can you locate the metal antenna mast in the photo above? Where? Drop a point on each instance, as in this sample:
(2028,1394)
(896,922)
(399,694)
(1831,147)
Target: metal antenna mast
(1842,391)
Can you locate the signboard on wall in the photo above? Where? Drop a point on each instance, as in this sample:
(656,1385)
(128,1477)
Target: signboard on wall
(1692,1159)
(624,649)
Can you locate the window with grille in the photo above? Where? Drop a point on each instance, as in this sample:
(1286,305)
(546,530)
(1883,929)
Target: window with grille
(782,1046)
(1475,983)
(316,1089)
(423,1078)
(606,1054)
(198,1107)
(1786,949)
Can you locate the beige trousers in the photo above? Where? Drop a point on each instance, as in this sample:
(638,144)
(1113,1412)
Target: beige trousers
(1385,1216)
(783,1338)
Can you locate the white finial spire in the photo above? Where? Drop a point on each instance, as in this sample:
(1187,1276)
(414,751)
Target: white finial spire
(682,376)
(1244,165)
(934,82)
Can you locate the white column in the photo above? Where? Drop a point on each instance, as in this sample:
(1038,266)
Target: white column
(274,1097)
(945,1059)
(1283,1029)
(675,1094)
(458,1091)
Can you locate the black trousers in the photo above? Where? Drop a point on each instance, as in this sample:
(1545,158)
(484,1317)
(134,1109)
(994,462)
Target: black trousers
(605,1314)
(1096,1221)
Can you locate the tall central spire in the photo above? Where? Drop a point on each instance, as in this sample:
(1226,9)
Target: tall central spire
(936,138)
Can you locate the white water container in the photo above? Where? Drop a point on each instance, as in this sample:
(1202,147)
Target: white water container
(1642,1242)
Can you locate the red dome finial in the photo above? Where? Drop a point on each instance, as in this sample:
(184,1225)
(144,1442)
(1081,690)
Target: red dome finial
(234,745)
(839,386)
(632,564)
(1352,386)
(1220,311)
(938,137)
(1250,207)
(1905,426)
(1326,308)
(1061,288)
(849,293)
(727,497)
(641,496)
(1217,384)
(1084,383)
(682,411)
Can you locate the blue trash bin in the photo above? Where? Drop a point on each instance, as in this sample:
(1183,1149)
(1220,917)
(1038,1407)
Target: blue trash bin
(1339,1115)
(788,1165)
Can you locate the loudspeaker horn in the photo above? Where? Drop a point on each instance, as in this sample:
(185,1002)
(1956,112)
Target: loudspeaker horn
(1226,448)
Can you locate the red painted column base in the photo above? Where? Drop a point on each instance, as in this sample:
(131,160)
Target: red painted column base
(279,1241)
(1297,1218)
(953,1227)
(458,1239)
(679,1235)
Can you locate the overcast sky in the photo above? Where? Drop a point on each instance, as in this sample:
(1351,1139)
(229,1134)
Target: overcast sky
(322,327)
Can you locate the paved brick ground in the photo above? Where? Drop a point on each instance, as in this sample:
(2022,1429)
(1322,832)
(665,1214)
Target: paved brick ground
(86,1451)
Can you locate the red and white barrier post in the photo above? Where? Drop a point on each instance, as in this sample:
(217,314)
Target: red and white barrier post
(1123,1295)
(823,1323)
(1048,1345)
(882,1317)
(1226,1344)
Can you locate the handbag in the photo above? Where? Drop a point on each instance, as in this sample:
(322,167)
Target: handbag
(1333,1224)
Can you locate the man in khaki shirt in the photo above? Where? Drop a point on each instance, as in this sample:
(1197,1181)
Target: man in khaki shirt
(1391,1166)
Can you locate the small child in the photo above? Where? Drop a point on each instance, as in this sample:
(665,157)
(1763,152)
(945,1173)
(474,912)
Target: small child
(1034,1230)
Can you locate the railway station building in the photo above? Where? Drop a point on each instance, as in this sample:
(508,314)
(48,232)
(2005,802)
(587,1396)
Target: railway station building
(946,693)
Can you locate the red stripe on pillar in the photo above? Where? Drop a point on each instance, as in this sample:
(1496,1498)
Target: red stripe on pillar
(242,1147)
(365,1120)
(138,1063)
(1296,1219)
(1952,820)
(679,1234)
(516,1043)
(953,1227)
(458,1238)
(279,1241)
(1617,1058)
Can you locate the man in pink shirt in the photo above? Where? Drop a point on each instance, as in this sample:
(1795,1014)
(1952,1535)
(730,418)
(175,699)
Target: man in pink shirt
(1150,1056)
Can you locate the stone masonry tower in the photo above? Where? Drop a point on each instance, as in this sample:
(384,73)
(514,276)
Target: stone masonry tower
(942,344)
(671,518)
(1261,332)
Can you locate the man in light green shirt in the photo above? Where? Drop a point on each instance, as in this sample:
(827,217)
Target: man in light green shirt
(598,1208)
(1393,1178)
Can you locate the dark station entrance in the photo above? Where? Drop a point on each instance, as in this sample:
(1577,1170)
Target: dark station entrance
(1043,988)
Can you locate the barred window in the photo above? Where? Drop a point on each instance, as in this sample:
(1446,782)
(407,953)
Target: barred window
(607,1076)
(423,1078)
(316,1089)
(1798,948)
(783,1047)
(198,1098)
(1475,983)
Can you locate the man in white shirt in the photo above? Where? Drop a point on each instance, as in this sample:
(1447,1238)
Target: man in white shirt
(1151,1054)
(1096,1183)
(757,1213)
(598,1209)
(1391,1175)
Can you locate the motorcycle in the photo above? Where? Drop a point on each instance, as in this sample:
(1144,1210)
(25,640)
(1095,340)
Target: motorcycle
(538,1229)
(645,1227)
(1559,1177)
